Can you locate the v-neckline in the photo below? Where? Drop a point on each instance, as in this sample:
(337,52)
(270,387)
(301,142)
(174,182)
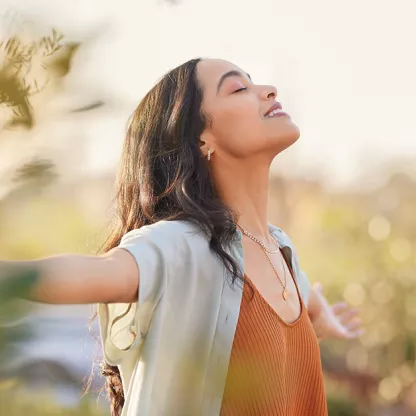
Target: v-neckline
(302,306)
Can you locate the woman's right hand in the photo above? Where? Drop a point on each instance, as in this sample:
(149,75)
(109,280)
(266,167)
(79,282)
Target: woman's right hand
(72,279)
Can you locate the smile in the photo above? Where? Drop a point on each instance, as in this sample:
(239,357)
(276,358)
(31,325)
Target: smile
(277,113)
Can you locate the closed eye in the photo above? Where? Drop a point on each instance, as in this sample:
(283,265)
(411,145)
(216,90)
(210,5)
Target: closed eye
(240,89)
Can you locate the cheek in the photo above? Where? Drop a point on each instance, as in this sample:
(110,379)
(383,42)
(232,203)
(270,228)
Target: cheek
(239,126)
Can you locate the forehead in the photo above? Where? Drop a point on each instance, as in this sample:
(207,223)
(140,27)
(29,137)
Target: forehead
(209,71)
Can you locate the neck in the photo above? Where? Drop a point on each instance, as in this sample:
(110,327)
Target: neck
(245,190)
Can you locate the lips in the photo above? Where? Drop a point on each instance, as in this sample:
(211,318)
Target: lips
(275,106)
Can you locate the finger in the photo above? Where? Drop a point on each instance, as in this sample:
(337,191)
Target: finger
(343,333)
(348,315)
(354,324)
(339,307)
(318,286)
(355,334)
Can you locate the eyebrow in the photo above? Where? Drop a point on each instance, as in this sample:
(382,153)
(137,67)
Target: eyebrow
(229,74)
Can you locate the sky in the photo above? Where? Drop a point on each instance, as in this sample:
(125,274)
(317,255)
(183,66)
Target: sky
(345,71)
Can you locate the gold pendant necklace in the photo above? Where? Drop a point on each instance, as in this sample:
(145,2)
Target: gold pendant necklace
(285,291)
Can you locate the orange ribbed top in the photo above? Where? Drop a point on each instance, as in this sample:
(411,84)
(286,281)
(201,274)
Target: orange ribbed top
(275,367)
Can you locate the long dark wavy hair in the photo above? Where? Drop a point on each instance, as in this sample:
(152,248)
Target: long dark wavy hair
(163,176)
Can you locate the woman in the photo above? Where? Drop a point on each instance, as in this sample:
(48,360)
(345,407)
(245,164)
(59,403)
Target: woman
(203,307)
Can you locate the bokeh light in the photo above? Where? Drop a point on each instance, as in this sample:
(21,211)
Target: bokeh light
(379,228)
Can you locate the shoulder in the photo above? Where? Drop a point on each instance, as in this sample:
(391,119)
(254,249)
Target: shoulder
(167,233)
(286,243)
(281,236)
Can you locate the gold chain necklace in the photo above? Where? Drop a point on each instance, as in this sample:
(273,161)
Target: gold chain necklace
(285,292)
(261,242)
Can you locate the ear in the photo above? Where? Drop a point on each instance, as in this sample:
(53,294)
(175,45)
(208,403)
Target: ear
(205,143)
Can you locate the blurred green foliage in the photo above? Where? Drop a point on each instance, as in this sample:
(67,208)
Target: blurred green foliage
(341,407)
(27,66)
(14,403)
(13,287)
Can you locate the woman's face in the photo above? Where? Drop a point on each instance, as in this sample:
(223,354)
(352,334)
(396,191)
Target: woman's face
(237,109)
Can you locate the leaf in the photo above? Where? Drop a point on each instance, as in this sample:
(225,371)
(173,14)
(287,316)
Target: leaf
(17,285)
(61,64)
(38,170)
(15,88)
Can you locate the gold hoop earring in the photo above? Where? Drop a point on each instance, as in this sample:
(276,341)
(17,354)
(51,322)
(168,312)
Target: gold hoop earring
(209,154)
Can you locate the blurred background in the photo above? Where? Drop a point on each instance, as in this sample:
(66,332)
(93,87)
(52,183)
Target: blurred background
(72,73)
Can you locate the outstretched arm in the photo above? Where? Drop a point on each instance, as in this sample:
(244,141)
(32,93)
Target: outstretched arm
(78,279)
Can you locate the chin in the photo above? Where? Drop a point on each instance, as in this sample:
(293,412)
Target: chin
(286,137)
(293,131)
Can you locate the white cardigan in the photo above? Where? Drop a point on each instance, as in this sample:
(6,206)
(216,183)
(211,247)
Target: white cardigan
(173,346)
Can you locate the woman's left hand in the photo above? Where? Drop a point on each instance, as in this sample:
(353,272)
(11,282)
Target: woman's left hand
(337,321)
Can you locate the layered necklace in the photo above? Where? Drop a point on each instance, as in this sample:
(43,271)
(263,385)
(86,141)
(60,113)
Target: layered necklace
(267,251)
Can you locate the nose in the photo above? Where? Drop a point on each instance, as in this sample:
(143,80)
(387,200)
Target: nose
(268,92)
